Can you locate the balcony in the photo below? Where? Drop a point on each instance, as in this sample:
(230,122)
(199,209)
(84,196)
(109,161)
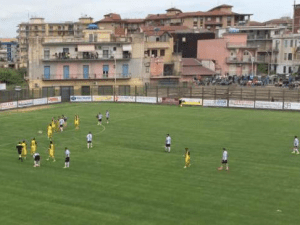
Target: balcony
(235,60)
(240,45)
(259,37)
(71,40)
(86,56)
(92,77)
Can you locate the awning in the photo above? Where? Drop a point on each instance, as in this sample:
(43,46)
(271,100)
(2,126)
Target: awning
(127,48)
(86,48)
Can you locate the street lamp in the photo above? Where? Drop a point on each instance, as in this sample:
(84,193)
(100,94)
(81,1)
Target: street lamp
(252,60)
(268,63)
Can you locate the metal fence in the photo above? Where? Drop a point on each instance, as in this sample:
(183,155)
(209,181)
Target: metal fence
(217,92)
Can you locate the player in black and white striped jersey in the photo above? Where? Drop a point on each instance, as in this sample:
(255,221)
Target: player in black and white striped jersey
(99,118)
(168,144)
(37,159)
(67,158)
(89,139)
(107,116)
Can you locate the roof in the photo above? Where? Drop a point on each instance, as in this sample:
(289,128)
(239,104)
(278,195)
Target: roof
(192,67)
(221,6)
(164,28)
(173,9)
(133,20)
(255,23)
(279,21)
(111,17)
(197,70)
(119,31)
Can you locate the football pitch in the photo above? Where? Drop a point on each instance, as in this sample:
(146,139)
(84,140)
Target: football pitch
(127,178)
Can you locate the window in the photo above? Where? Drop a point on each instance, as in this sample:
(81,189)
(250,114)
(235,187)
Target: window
(46,53)
(208,27)
(105,71)
(105,53)
(285,43)
(85,90)
(290,70)
(36,27)
(246,53)
(105,90)
(76,49)
(162,52)
(157,39)
(154,53)
(228,21)
(124,90)
(218,19)
(183,39)
(284,69)
(201,21)
(90,37)
(115,48)
(195,19)
(195,24)
(285,56)
(208,18)
(95,38)
(291,43)
(147,69)
(290,56)
(295,43)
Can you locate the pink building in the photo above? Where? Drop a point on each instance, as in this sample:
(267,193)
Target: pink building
(231,53)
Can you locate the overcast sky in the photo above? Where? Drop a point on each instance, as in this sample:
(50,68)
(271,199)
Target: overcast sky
(13,12)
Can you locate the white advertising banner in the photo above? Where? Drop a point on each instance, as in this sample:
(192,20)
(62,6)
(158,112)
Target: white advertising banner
(191,101)
(54,99)
(81,98)
(146,99)
(40,101)
(292,105)
(104,98)
(241,104)
(215,103)
(8,105)
(268,105)
(25,103)
(2,86)
(159,100)
(125,99)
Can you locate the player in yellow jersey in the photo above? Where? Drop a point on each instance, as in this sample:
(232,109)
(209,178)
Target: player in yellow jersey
(57,125)
(53,124)
(187,158)
(49,131)
(51,151)
(24,150)
(76,122)
(33,146)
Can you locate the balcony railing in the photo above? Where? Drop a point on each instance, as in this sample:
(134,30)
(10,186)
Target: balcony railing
(240,45)
(70,77)
(56,40)
(90,56)
(235,60)
(259,37)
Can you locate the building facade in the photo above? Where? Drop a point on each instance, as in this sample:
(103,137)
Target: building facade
(232,54)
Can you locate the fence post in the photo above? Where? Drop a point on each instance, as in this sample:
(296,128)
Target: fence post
(178,91)
(146,90)
(254,98)
(156,94)
(283,93)
(298,95)
(191,92)
(215,94)
(241,93)
(135,93)
(202,95)
(269,95)
(168,91)
(228,97)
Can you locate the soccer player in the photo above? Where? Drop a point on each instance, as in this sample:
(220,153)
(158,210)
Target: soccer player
(107,116)
(61,124)
(296,144)
(187,158)
(36,159)
(76,122)
(65,119)
(33,146)
(168,143)
(51,151)
(57,124)
(24,149)
(100,119)
(89,139)
(67,159)
(53,124)
(224,160)
(49,131)
(20,148)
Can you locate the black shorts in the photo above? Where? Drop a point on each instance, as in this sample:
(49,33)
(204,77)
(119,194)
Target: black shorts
(224,161)
(89,142)
(168,145)
(61,125)
(107,118)
(99,120)
(67,159)
(19,152)
(37,158)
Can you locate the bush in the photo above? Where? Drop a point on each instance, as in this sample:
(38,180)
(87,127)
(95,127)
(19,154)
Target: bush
(12,76)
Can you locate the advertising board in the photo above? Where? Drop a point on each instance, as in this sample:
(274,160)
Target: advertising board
(54,99)
(241,104)
(191,101)
(25,103)
(81,98)
(104,98)
(292,106)
(40,101)
(268,105)
(8,105)
(146,99)
(170,101)
(215,103)
(125,99)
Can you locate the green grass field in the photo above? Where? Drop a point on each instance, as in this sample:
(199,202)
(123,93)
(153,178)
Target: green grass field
(127,178)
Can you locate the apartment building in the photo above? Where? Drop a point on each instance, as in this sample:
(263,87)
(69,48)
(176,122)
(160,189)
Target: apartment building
(97,59)
(221,16)
(37,27)
(9,52)
(231,53)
